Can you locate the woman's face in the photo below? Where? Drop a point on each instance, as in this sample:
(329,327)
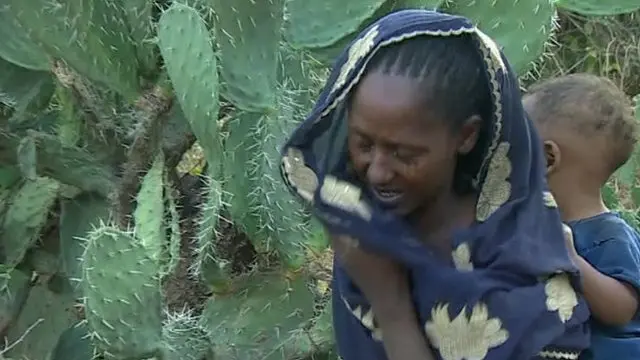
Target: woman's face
(404,153)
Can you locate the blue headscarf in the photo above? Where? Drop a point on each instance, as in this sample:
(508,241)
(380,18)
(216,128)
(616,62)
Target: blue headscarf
(511,291)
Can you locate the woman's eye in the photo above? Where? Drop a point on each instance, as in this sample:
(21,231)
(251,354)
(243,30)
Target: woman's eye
(364,145)
(403,156)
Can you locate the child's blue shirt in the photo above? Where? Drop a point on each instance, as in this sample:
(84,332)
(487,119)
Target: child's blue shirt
(612,246)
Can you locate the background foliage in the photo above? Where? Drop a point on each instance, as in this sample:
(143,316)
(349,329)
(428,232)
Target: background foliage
(141,211)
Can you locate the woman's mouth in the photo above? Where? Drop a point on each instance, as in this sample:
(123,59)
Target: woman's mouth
(387,196)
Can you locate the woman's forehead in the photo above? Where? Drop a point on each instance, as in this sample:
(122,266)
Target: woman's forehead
(382,90)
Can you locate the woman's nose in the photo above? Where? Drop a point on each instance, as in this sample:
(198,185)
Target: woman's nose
(379,172)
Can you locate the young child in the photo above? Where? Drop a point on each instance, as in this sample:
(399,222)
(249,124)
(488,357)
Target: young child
(589,131)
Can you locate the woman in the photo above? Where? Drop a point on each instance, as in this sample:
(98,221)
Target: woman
(423,167)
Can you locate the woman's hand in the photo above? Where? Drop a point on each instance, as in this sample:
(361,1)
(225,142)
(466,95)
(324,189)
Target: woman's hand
(385,284)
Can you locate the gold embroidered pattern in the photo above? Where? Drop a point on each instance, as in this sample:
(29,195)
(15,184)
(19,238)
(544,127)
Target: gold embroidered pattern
(561,296)
(367,319)
(300,176)
(462,257)
(549,200)
(562,355)
(489,50)
(357,51)
(351,242)
(493,49)
(344,195)
(464,337)
(496,189)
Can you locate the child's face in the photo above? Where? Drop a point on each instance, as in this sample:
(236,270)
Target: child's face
(403,153)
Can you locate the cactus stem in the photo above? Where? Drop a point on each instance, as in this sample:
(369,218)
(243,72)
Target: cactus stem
(156,105)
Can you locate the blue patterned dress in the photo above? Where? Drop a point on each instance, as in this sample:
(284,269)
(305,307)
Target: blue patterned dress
(511,291)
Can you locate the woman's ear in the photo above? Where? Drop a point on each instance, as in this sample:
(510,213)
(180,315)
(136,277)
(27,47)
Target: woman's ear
(469,134)
(552,155)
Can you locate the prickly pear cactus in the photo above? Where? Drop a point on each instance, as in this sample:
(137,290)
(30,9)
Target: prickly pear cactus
(14,290)
(90,35)
(16,46)
(248,35)
(307,22)
(186,338)
(110,250)
(181,34)
(26,217)
(522,28)
(44,317)
(149,214)
(599,8)
(78,217)
(267,307)
(123,301)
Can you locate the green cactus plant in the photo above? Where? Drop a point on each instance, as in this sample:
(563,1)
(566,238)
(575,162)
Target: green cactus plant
(17,47)
(522,29)
(92,37)
(123,301)
(26,216)
(186,338)
(595,7)
(307,27)
(100,101)
(248,35)
(257,322)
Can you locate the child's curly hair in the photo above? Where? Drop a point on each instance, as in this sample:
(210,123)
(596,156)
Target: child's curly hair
(591,105)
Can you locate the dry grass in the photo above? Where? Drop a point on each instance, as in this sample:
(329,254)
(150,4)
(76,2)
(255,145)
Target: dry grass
(606,46)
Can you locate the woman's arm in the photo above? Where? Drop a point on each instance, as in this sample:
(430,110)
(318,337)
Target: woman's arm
(386,286)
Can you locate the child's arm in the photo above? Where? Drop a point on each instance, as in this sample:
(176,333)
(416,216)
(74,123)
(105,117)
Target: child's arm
(611,301)
(386,286)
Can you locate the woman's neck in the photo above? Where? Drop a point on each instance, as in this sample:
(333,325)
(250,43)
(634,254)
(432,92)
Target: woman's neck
(445,214)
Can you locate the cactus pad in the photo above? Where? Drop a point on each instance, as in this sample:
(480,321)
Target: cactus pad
(78,217)
(172,216)
(149,212)
(241,147)
(185,45)
(44,317)
(521,28)
(185,338)
(314,24)
(284,225)
(315,338)
(26,216)
(209,264)
(599,7)
(418,4)
(89,35)
(13,293)
(27,91)
(140,16)
(123,299)
(257,321)
(248,34)
(16,46)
